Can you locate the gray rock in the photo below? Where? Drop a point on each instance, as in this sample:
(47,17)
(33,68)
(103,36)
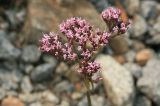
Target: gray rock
(62,68)
(2,93)
(48,96)
(139,27)
(149,83)
(30,54)
(42,72)
(36,104)
(28,68)
(41,97)
(154,33)
(63,86)
(117,80)
(7,50)
(96,101)
(100,4)
(132,7)
(9,80)
(130,56)
(64,103)
(142,101)
(135,69)
(11,17)
(26,85)
(150,4)
(10,64)
(3,24)
(50,59)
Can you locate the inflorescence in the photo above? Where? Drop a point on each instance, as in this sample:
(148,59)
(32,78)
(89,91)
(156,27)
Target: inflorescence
(79,34)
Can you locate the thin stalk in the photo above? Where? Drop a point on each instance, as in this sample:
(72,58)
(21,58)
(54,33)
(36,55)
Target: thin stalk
(89,98)
(87,84)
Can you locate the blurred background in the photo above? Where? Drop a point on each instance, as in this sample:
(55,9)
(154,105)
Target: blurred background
(130,63)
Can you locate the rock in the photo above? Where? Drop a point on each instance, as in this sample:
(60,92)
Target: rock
(29,98)
(143,56)
(137,45)
(3,24)
(72,74)
(36,104)
(50,59)
(62,68)
(117,80)
(12,101)
(30,54)
(100,4)
(149,83)
(76,95)
(42,97)
(96,101)
(2,93)
(64,103)
(142,101)
(122,43)
(38,22)
(11,17)
(10,80)
(130,56)
(132,7)
(139,27)
(7,50)
(154,33)
(10,64)
(147,12)
(26,85)
(63,86)
(120,59)
(42,72)
(28,68)
(49,97)
(135,70)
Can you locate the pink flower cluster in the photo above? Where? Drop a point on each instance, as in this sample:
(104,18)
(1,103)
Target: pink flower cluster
(114,22)
(79,34)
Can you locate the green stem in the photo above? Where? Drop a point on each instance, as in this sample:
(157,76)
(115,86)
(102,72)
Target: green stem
(89,98)
(87,84)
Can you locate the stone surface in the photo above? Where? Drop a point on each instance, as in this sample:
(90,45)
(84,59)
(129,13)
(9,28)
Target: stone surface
(96,101)
(135,70)
(63,86)
(117,80)
(2,93)
(30,54)
(120,58)
(39,20)
(139,27)
(26,85)
(146,12)
(132,7)
(100,4)
(154,33)
(12,101)
(149,83)
(9,80)
(122,43)
(41,97)
(7,50)
(130,56)
(137,45)
(42,72)
(142,101)
(143,56)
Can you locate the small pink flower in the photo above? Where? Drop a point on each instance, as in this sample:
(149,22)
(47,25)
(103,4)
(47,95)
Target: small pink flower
(110,14)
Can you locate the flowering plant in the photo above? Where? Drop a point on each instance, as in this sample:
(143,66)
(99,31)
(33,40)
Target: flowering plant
(79,34)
